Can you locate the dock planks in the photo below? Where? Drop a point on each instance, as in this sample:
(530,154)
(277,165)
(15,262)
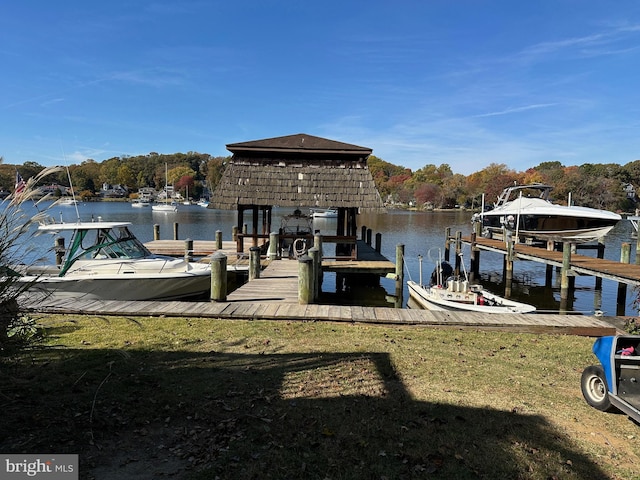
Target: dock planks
(256,310)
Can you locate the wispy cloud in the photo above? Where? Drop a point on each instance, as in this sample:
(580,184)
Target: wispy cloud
(515,110)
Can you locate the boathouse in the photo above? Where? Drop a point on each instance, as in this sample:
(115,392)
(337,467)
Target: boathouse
(296,171)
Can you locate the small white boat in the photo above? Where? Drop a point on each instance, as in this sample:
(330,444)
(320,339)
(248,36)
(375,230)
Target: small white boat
(165,207)
(460,295)
(324,212)
(67,202)
(203,203)
(139,203)
(449,293)
(105,261)
(526,211)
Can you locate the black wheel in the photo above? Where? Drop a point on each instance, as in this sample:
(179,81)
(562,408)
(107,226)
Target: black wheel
(594,388)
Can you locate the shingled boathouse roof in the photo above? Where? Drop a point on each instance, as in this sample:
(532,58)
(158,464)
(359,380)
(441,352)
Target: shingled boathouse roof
(297,170)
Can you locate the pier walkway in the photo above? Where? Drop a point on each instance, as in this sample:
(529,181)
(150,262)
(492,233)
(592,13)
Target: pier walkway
(284,310)
(626,273)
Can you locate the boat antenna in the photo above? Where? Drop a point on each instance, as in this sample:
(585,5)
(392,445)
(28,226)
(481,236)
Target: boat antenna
(73,193)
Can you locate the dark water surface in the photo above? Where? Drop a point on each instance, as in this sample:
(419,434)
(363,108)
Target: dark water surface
(421,233)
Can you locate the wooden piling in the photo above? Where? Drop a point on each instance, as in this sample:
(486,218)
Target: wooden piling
(625,257)
(188,250)
(378,244)
(156,232)
(305,286)
(564,272)
(447,243)
(218,240)
(175,230)
(316,271)
(458,251)
(399,275)
(273,246)
(474,259)
(59,249)
(254,263)
(219,277)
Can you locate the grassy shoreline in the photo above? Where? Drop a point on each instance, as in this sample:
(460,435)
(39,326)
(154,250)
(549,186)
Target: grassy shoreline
(200,398)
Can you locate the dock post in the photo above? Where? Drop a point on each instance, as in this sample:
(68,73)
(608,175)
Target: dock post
(156,232)
(316,269)
(218,240)
(474,258)
(508,268)
(363,233)
(369,232)
(188,250)
(59,249)
(175,230)
(378,244)
(564,276)
(399,274)
(305,286)
(219,277)
(273,246)
(458,251)
(475,251)
(447,243)
(254,263)
(600,254)
(625,257)
(234,233)
(317,243)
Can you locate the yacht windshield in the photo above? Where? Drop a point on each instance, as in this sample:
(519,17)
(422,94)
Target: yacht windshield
(104,243)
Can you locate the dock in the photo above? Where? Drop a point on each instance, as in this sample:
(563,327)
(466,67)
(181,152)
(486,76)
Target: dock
(284,309)
(274,296)
(625,273)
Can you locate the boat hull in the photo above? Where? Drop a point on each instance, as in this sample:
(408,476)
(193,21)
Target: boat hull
(119,287)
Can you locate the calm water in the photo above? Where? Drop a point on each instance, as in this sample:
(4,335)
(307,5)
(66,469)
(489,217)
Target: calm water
(421,233)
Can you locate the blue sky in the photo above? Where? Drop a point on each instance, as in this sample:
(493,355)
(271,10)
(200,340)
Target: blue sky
(467,83)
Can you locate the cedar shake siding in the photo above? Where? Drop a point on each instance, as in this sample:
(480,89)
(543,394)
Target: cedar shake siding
(297,170)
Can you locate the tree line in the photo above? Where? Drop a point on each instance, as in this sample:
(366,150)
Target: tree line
(607,186)
(593,185)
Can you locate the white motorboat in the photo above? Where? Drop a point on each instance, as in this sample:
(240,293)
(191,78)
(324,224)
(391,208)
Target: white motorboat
(67,202)
(324,213)
(525,211)
(140,203)
(105,261)
(460,295)
(446,292)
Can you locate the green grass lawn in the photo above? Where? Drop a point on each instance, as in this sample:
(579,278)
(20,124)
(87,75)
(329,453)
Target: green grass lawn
(196,398)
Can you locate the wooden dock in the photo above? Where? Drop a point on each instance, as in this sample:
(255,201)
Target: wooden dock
(626,273)
(286,310)
(274,296)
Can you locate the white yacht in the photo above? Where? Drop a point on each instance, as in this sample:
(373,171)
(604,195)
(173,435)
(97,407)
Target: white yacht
(526,212)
